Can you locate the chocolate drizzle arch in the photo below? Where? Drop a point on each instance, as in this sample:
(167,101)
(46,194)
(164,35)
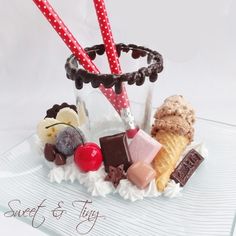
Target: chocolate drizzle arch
(81,76)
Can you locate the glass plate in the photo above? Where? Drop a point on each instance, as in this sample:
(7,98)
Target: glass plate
(207,206)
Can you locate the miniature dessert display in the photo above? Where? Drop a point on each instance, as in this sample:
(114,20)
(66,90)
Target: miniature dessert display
(133,163)
(128,167)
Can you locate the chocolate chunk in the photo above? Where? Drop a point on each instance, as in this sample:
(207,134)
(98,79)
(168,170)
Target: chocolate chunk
(136,54)
(125,49)
(101,50)
(115,151)
(149,58)
(60,159)
(108,82)
(92,55)
(79,83)
(130,78)
(95,83)
(186,167)
(160,68)
(50,152)
(143,53)
(153,77)
(118,87)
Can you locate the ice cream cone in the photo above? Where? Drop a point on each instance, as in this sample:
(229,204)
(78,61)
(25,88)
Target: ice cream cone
(165,161)
(173,128)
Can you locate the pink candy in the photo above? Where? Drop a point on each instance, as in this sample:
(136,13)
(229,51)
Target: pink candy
(143,147)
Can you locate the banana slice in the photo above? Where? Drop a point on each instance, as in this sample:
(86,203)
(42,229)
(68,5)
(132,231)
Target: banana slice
(48,135)
(69,116)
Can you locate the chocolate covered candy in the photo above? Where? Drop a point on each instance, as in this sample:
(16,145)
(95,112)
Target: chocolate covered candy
(143,147)
(186,167)
(115,151)
(141,174)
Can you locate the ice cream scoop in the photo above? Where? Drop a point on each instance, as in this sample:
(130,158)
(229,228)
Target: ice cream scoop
(176,105)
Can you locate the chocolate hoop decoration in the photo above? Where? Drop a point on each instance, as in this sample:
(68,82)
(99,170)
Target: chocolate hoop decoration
(80,76)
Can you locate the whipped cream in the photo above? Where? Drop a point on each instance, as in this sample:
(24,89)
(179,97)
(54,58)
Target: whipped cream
(129,191)
(172,189)
(151,190)
(201,149)
(57,174)
(96,185)
(100,188)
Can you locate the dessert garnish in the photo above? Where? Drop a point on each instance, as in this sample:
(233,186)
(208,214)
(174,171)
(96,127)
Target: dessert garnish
(69,116)
(50,152)
(60,159)
(187,167)
(52,112)
(141,174)
(68,139)
(115,151)
(87,156)
(48,135)
(173,128)
(115,174)
(138,77)
(143,147)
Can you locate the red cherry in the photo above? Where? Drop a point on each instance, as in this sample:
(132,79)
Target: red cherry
(88,157)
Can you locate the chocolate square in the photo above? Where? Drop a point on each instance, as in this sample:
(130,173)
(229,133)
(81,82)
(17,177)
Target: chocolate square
(115,151)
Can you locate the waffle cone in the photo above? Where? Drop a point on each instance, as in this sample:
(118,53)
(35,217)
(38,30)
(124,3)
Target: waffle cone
(165,161)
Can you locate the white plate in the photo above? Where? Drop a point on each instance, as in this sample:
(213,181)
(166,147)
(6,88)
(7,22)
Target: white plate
(207,206)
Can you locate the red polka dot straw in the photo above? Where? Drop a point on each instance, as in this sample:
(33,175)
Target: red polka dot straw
(74,46)
(122,99)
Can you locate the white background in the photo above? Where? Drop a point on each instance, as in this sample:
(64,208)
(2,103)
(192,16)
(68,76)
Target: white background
(196,38)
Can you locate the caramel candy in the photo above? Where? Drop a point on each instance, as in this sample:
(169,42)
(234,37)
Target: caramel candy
(141,174)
